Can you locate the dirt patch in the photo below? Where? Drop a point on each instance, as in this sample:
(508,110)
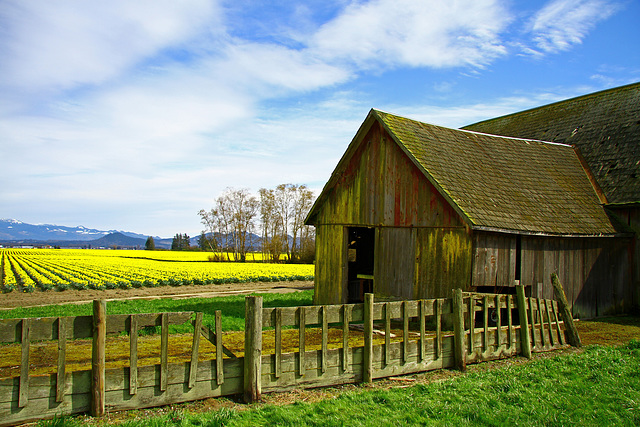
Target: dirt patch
(609,331)
(37,298)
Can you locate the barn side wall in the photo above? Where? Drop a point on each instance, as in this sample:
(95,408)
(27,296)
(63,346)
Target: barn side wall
(630,216)
(417,231)
(596,273)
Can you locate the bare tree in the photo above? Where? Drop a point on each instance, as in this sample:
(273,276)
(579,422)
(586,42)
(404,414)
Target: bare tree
(244,208)
(282,212)
(210,221)
(302,202)
(284,199)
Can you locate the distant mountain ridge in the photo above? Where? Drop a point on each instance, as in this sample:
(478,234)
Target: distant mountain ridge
(12,230)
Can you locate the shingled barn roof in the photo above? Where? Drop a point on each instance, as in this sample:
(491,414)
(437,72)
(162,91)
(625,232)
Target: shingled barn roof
(605,126)
(496,183)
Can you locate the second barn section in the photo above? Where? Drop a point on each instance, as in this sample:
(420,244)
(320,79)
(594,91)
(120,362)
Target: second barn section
(414,210)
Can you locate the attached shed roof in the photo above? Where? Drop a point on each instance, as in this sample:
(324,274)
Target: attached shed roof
(605,126)
(496,183)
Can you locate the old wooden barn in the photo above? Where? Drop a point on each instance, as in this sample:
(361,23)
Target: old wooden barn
(413,210)
(605,128)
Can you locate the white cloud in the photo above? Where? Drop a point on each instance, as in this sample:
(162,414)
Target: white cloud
(63,44)
(256,65)
(431,33)
(564,23)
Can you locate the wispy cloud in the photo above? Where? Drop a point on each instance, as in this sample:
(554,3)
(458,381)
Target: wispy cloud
(63,44)
(564,23)
(431,33)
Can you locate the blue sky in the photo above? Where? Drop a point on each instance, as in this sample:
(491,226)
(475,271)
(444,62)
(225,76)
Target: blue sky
(135,115)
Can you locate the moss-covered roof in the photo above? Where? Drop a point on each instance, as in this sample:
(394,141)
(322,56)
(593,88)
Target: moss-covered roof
(502,183)
(605,126)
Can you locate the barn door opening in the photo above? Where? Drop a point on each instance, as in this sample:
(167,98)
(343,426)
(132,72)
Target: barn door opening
(360,253)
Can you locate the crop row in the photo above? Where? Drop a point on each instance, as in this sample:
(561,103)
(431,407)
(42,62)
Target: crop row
(26,270)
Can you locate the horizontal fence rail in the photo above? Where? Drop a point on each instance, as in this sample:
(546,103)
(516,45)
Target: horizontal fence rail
(284,348)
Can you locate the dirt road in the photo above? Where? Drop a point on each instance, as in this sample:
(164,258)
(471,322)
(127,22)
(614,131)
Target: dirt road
(37,298)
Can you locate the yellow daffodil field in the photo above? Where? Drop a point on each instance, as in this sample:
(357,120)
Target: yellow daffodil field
(27,270)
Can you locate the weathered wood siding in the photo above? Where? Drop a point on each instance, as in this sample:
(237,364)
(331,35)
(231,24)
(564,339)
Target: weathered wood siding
(380,187)
(443,262)
(630,215)
(395,262)
(331,266)
(494,259)
(595,272)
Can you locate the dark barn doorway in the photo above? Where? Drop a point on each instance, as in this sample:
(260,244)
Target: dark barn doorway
(360,253)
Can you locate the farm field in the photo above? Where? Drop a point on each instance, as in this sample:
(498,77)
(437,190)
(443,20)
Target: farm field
(30,270)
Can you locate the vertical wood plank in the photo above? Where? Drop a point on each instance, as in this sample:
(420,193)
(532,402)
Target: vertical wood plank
(252,349)
(346,319)
(543,335)
(439,303)
(549,324)
(510,335)
(387,333)
(133,354)
(367,369)
(460,359)
(23,396)
(278,343)
(532,320)
(422,310)
(219,348)
(164,351)
(554,306)
(499,321)
(301,341)
(485,319)
(472,322)
(98,358)
(525,342)
(405,331)
(62,356)
(195,349)
(325,335)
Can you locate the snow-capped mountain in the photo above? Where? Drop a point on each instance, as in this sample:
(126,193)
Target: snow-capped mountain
(11,229)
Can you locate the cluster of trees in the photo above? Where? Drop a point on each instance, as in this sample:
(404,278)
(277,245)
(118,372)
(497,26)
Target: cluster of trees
(180,242)
(275,215)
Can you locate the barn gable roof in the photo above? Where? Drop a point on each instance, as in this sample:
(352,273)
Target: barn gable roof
(493,182)
(605,126)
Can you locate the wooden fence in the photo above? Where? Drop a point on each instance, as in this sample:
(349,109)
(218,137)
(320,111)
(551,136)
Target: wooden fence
(376,340)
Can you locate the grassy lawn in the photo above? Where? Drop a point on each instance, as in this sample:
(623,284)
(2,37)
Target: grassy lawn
(597,387)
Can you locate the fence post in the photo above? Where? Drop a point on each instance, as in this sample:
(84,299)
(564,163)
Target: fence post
(98,358)
(459,350)
(252,348)
(368,338)
(525,340)
(570,330)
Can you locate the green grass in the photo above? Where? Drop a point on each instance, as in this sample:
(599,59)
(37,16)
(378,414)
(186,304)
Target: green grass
(599,387)
(232,308)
